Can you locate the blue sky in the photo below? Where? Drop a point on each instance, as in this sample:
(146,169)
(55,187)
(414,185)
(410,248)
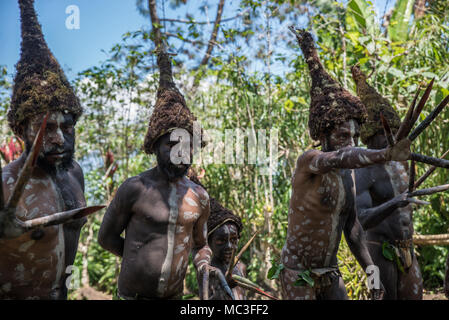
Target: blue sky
(102,23)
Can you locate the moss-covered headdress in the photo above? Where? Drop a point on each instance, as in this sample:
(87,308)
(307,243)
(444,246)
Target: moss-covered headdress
(375,104)
(40,84)
(330,103)
(219,215)
(171,111)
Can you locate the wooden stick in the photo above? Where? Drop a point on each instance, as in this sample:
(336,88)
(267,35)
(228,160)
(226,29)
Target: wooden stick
(405,124)
(432,242)
(421,105)
(429,119)
(444,236)
(431,239)
(387,130)
(437,162)
(428,191)
(244,248)
(428,172)
(231,264)
(27,169)
(247,284)
(224,283)
(59,217)
(419,202)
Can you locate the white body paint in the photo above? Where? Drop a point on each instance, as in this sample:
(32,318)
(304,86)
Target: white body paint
(173,217)
(335,220)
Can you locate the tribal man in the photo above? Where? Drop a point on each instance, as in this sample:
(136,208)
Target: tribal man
(322,204)
(383,207)
(34,263)
(224,229)
(163,212)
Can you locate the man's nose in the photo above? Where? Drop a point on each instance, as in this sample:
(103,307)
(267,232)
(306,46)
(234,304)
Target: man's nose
(57,138)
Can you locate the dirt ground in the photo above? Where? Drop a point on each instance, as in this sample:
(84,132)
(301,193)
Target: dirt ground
(434,295)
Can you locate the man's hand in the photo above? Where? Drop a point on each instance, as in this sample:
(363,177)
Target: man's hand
(400,151)
(205,272)
(402,200)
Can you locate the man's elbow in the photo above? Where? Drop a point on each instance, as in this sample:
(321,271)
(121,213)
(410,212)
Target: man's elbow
(364,220)
(104,240)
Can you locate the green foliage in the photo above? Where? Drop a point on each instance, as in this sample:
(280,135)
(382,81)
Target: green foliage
(400,20)
(304,278)
(353,275)
(275,269)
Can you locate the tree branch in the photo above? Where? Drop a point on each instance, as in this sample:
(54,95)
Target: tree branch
(156,23)
(174,35)
(201,22)
(213,37)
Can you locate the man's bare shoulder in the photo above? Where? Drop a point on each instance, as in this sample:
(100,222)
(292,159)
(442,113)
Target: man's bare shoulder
(199,190)
(305,160)
(132,187)
(12,169)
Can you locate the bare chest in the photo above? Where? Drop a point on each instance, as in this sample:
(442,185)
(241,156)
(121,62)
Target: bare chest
(392,180)
(175,208)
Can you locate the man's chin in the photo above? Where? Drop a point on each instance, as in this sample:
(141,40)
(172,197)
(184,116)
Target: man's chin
(56,161)
(175,172)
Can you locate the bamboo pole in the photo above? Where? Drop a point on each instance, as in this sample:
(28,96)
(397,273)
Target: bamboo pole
(432,239)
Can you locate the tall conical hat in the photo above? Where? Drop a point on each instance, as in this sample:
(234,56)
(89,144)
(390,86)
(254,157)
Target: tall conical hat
(330,103)
(375,104)
(170,111)
(219,215)
(40,84)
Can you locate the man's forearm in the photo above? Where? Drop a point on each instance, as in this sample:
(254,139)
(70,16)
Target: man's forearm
(357,244)
(201,257)
(371,217)
(114,245)
(353,158)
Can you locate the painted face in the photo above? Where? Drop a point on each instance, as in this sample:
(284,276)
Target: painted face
(59,138)
(223,241)
(344,135)
(163,150)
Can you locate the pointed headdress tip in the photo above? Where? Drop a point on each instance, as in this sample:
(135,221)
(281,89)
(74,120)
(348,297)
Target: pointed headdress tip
(357,74)
(40,84)
(375,104)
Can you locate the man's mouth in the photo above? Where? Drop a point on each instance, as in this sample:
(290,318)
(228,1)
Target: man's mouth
(56,155)
(227,255)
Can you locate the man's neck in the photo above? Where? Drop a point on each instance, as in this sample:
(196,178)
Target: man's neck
(163,176)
